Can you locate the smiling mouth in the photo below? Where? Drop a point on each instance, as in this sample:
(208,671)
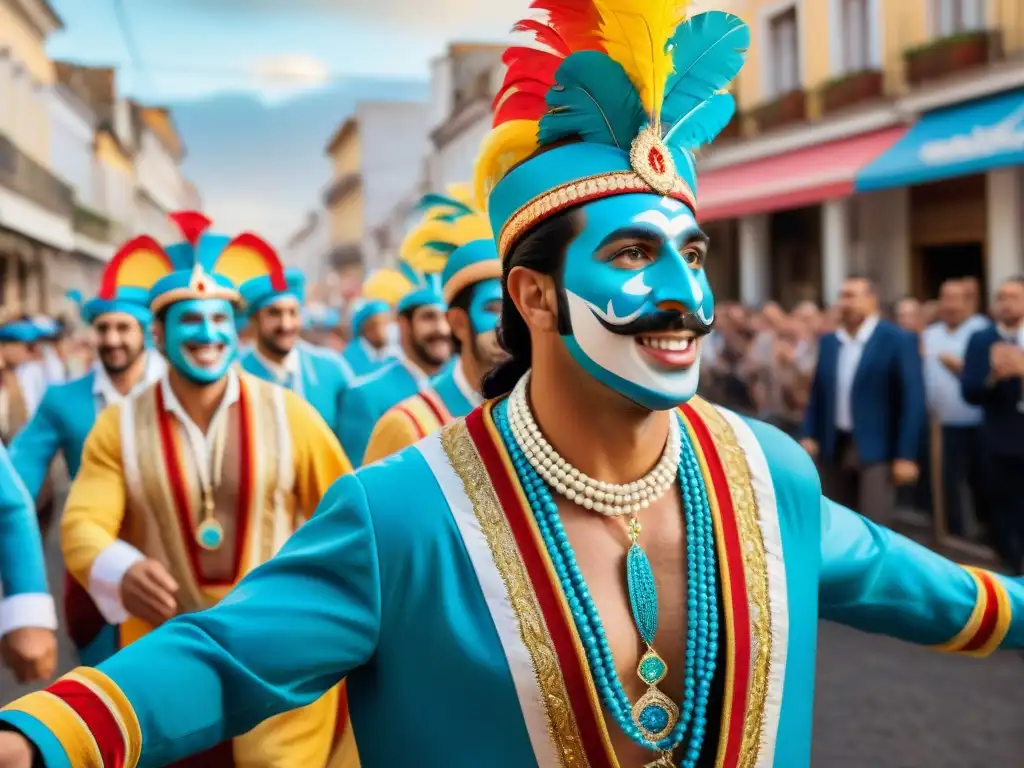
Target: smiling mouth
(673,351)
(204,355)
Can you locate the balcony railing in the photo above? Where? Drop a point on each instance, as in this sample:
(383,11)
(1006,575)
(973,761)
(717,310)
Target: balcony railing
(24,176)
(953,54)
(93,225)
(345,254)
(788,108)
(851,89)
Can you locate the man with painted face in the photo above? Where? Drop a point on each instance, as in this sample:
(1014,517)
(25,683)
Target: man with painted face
(197,479)
(614,571)
(280,356)
(426,348)
(471,284)
(369,348)
(119,318)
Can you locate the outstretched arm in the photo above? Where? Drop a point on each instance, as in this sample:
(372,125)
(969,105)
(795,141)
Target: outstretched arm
(878,581)
(288,632)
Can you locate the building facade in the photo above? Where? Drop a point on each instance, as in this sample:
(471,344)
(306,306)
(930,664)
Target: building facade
(308,250)
(36,207)
(375,157)
(874,136)
(160,187)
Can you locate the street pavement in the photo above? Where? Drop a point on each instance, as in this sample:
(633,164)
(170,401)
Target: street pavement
(880,703)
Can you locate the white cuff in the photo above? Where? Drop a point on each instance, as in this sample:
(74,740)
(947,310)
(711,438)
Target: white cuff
(34,610)
(105,576)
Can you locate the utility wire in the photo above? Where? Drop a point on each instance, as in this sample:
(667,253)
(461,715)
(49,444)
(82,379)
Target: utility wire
(129,39)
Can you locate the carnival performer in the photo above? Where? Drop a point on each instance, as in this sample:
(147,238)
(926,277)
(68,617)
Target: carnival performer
(426,349)
(119,319)
(280,356)
(24,379)
(501,573)
(369,347)
(192,482)
(27,614)
(471,284)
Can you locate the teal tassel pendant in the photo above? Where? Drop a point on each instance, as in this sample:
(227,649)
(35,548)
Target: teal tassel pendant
(643,594)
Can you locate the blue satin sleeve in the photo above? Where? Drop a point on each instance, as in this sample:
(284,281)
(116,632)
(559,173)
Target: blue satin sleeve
(358,418)
(35,446)
(288,632)
(876,580)
(22,566)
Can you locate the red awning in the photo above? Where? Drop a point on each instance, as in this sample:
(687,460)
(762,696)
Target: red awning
(792,179)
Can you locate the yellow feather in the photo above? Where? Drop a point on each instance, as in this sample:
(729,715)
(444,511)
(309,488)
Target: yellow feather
(504,148)
(418,255)
(388,285)
(636,34)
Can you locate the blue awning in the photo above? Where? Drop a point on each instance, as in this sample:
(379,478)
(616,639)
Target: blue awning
(968,138)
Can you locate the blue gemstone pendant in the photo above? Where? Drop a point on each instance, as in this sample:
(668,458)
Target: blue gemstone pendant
(643,593)
(210,535)
(655,714)
(652,668)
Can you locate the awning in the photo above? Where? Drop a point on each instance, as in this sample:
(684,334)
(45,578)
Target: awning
(790,180)
(957,141)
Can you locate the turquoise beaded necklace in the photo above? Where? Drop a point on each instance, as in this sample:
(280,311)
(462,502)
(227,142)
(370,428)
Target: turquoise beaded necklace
(654,721)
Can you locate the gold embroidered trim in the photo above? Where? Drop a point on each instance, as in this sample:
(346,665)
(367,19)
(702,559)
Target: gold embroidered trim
(464,459)
(578,192)
(755,570)
(263,454)
(159,501)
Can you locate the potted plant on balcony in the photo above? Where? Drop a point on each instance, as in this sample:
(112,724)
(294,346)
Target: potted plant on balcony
(946,55)
(851,88)
(789,108)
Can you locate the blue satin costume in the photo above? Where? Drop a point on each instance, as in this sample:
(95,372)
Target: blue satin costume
(316,374)
(359,355)
(24,594)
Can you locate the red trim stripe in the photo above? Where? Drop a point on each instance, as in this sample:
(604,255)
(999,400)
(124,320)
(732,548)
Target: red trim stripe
(989,619)
(733,561)
(440,414)
(175,475)
(98,718)
(420,433)
(572,664)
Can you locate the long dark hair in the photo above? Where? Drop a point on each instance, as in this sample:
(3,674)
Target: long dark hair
(542,250)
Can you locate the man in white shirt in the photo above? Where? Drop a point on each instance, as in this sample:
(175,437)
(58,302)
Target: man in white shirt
(944,346)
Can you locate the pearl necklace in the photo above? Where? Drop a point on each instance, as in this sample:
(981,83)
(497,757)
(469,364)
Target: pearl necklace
(611,499)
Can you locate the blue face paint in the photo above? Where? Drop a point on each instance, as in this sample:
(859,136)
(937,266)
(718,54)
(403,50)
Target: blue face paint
(485,306)
(200,339)
(637,254)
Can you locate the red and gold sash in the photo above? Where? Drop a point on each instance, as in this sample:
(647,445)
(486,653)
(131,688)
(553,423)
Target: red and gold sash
(574,715)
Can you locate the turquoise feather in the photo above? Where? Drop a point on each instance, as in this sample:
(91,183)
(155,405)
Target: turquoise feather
(702,123)
(593,99)
(708,51)
(643,593)
(437,245)
(434,199)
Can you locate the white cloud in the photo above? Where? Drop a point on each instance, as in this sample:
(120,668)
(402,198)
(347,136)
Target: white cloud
(277,77)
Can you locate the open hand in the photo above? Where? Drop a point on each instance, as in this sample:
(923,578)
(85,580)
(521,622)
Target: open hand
(30,652)
(148,592)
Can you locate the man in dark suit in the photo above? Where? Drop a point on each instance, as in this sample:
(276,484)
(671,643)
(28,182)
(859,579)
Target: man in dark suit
(867,405)
(992,375)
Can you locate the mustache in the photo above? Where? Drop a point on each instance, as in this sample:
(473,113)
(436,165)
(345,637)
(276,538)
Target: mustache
(663,320)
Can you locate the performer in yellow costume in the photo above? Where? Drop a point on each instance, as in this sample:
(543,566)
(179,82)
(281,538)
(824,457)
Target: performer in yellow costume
(456,230)
(190,484)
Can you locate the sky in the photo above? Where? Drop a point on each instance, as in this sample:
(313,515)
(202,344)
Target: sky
(257,87)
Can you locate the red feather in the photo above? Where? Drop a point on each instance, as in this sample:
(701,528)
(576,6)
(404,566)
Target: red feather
(520,106)
(191,223)
(108,283)
(578,22)
(545,35)
(248,240)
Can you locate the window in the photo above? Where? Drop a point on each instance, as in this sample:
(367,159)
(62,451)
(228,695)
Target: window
(783,53)
(855,28)
(950,17)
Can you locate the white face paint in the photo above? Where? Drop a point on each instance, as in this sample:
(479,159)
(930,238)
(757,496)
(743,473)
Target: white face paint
(619,289)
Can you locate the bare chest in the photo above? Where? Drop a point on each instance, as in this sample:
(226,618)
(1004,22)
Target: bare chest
(600,545)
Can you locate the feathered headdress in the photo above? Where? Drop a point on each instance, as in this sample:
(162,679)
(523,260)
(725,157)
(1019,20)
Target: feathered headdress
(619,95)
(448,222)
(202,266)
